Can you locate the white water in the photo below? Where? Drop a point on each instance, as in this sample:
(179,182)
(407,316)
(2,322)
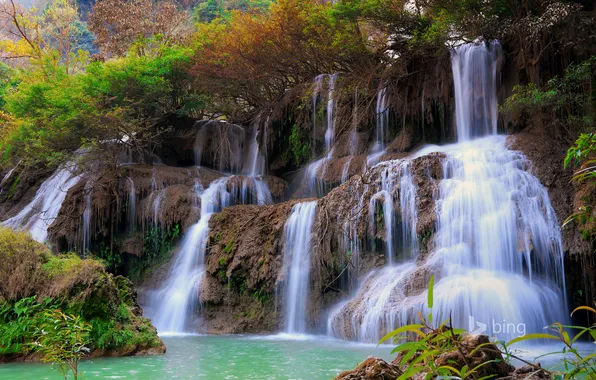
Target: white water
(497,257)
(132,205)
(382,119)
(40,213)
(396,173)
(475,81)
(316,169)
(178,299)
(296,266)
(87,221)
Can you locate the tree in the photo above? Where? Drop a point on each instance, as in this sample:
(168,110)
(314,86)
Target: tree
(52,36)
(118,24)
(63,340)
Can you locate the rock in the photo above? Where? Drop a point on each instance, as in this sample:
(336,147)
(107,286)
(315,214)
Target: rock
(371,369)
(477,349)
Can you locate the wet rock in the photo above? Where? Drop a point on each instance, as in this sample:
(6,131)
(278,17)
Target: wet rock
(371,369)
(242,267)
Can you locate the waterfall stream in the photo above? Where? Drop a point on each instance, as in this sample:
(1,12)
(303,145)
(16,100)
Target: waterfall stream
(497,252)
(177,301)
(296,265)
(40,213)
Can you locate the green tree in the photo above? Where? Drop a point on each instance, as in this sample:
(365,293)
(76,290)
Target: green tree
(63,340)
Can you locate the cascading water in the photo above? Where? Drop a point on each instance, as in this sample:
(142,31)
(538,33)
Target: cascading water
(382,121)
(330,133)
(87,221)
(497,255)
(475,80)
(132,205)
(296,265)
(177,300)
(317,168)
(39,214)
(255,169)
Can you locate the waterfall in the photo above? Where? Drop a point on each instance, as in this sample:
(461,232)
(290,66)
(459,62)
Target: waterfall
(392,174)
(132,205)
(382,119)
(255,169)
(475,80)
(497,249)
(316,169)
(40,213)
(177,300)
(7,177)
(330,133)
(296,265)
(87,221)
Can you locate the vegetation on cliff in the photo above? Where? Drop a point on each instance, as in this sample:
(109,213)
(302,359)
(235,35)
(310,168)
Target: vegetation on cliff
(36,282)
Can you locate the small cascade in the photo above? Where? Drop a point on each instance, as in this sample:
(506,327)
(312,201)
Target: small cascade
(330,133)
(7,177)
(256,159)
(318,85)
(222,144)
(475,80)
(178,298)
(316,169)
(396,173)
(39,214)
(382,122)
(132,206)
(255,170)
(497,247)
(157,195)
(87,221)
(296,265)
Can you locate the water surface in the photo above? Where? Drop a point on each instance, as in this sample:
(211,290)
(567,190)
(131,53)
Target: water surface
(221,357)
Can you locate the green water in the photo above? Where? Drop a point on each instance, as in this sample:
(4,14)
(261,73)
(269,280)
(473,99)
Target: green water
(220,357)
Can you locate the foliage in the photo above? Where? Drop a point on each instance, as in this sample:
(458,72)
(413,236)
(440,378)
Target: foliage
(583,154)
(209,10)
(158,242)
(36,282)
(422,344)
(19,323)
(568,100)
(63,340)
(575,364)
(54,112)
(568,103)
(420,355)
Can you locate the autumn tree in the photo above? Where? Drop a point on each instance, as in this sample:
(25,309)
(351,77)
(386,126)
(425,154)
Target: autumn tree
(52,35)
(118,24)
(20,32)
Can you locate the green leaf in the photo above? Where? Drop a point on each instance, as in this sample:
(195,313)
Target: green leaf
(431,285)
(410,373)
(532,336)
(415,328)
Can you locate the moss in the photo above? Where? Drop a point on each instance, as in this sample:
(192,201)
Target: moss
(13,186)
(228,248)
(35,280)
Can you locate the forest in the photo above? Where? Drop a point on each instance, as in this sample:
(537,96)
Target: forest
(315,175)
